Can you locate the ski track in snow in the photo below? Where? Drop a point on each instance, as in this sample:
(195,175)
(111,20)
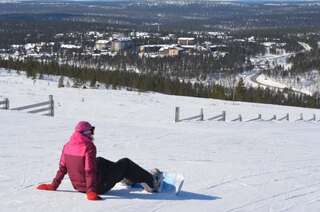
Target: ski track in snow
(278,195)
(228,167)
(259,175)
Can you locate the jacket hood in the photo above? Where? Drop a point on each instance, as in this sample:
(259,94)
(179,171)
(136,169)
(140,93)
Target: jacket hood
(78,137)
(83,126)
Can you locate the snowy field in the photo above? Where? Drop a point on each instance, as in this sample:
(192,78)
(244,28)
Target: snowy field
(229,166)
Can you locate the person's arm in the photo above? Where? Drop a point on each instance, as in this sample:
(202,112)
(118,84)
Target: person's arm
(61,172)
(90,171)
(58,178)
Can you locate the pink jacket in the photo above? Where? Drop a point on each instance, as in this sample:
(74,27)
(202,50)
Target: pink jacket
(78,159)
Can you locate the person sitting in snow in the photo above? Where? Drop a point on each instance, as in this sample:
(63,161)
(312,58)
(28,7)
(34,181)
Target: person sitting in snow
(92,175)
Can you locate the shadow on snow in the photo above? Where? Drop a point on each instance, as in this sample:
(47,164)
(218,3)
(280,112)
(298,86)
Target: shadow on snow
(133,194)
(138,194)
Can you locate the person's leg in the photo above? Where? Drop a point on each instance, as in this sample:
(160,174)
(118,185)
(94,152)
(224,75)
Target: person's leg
(133,172)
(105,175)
(110,173)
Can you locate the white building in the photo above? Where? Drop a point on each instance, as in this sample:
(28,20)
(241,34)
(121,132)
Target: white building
(70,46)
(171,51)
(102,44)
(186,41)
(122,43)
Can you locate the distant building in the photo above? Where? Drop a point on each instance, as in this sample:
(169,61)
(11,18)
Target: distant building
(102,44)
(70,46)
(150,48)
(186,41)
(123,43)
(171,51)
(280,51)
(140,35)
(251,39)
(215,48)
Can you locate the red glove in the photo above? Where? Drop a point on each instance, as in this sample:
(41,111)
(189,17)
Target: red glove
(93,196)
(48,187)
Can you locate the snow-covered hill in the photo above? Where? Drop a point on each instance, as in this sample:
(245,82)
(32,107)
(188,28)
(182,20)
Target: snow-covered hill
(228,166)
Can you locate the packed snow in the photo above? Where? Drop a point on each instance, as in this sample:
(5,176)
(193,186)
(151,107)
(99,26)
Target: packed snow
(269,82)
(306,46)
(228,166)
(265,80)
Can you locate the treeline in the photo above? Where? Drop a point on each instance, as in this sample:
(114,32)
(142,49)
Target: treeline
(185,66)
(302,63)
(305,62)
(33,28)
(153,82)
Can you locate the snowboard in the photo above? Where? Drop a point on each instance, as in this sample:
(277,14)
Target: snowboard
(171,183)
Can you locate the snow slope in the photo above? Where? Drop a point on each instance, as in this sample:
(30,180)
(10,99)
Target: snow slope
(228,166)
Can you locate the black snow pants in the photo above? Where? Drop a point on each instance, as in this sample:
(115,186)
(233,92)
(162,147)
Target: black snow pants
(109,173)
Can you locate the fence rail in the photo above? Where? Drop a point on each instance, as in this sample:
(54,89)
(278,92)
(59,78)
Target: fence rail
(284,118)
(313,118)
(222,117)
(177,116)
(256,119)
(31,106)
(47,106)
(238,119)
(274,117)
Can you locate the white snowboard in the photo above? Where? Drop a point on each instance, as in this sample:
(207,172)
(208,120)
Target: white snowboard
(171,183)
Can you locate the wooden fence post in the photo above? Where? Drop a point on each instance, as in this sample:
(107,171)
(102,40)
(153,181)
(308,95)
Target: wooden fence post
(201,115)
(284,118)
(177,115)
(51,113)
(6,105)
(313,118)
(223,116)
(274,117)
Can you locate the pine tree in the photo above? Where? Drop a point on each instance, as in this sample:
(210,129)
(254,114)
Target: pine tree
(93,83)
(60,82)
(240,91)
(68,84)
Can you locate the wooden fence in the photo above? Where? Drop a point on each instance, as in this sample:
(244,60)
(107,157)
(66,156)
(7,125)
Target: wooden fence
(4,104)
(222,117)
(47,106)
(177,116)
(200,117)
